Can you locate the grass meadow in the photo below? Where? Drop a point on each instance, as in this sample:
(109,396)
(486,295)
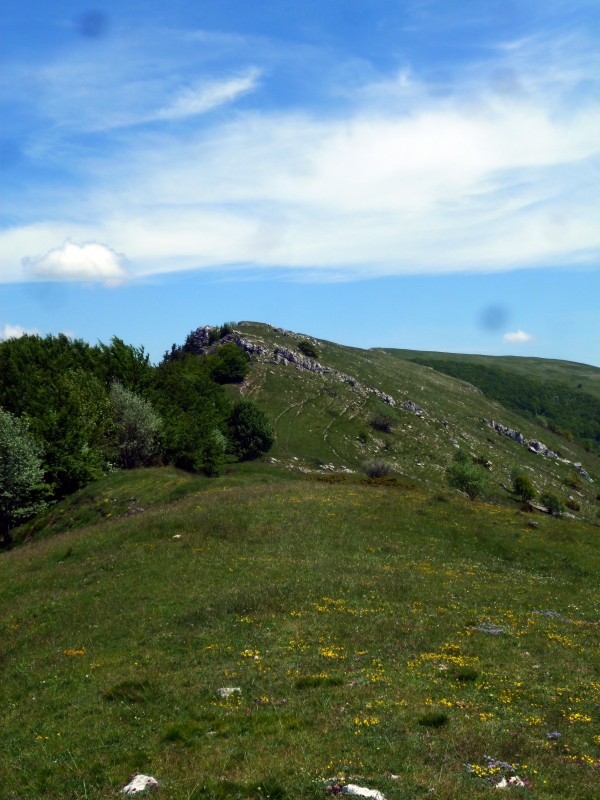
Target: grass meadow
(380,634)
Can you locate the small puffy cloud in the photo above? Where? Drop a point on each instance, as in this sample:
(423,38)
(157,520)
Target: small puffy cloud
(9,331)
(517,337)
(90,261)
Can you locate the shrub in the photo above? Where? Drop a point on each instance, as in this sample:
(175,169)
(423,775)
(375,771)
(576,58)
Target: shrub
(573,481)
(229,364)
(138,427)
(308,349)
(553,503)
(383,423)
(213,451)
(460,457)
(378,468)
(467,478)
(523,486)
(251,433)
(226,329)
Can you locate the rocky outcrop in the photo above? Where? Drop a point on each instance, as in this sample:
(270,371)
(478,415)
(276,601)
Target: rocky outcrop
(504,430)
(286,356)
(582,472)
(251,347)
(537,447)
(200,339)
(533,445)
(387,398)
(413,408)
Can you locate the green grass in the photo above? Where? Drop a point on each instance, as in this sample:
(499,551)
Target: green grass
(375,630)
(569,373)
(322,421)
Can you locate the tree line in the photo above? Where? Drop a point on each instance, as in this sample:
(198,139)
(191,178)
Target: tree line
(70,412)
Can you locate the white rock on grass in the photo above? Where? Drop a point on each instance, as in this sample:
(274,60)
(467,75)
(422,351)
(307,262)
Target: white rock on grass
(361,791)
(228,691)
(514,781)
(139,784)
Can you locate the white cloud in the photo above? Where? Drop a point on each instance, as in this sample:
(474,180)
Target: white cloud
(206,96)
(517,337)
(126,82)
(497,172)
(9,331)
(90,261)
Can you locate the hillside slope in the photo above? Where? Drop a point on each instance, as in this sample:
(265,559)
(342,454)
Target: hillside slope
(584,377)
(323,411)
(377,635)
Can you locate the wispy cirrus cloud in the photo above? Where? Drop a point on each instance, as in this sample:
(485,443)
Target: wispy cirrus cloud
(495,170)
(205,96)
(125,81)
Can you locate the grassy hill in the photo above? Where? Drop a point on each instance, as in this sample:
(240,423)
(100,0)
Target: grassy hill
(379,633)
(583,377)
(324,422)
(388,633)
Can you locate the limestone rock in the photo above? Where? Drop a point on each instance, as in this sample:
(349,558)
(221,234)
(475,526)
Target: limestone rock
(582,472)
(139,783)
(413,408)
(361,791)
(387,398)
(226,692)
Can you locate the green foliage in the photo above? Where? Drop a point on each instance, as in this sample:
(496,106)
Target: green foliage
(377,468)
(467,478)
(461,457)
(383,423)
(573,480)
(250,431)
(59,385)
(522,486)
(21,474)
(553,503)
(192,405)
(213,454)
(137,428)
(219,332)
(128,365)
(229,364)
(227,328)
(308,349)
(74,430)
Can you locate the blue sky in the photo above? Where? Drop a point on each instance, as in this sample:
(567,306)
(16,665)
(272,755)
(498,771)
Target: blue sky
(417,174)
